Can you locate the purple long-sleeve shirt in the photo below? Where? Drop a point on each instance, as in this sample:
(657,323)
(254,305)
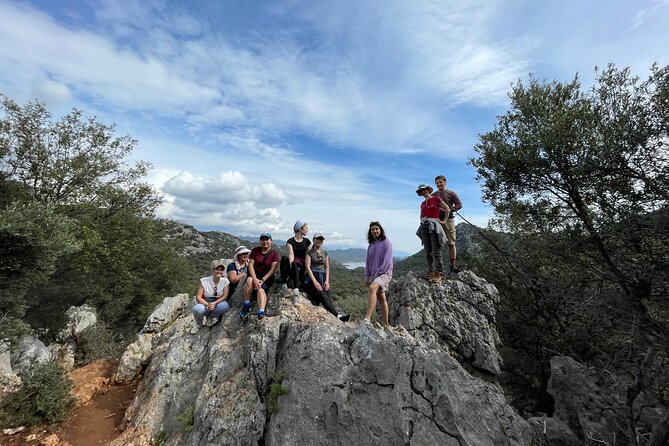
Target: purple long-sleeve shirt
(379,259)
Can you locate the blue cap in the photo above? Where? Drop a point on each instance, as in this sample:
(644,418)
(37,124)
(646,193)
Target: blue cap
(266,234)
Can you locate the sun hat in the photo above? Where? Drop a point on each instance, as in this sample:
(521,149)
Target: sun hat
(319,235)
(266,234)
(298,225)
(424,186)
(216,263)
(241,250)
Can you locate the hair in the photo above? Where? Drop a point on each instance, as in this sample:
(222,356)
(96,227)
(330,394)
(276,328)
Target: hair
(370,237)
(439,177)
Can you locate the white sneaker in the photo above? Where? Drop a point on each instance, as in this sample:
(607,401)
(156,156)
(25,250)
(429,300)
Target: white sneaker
(296,297)
(195,328)
(211,321)
(284,286)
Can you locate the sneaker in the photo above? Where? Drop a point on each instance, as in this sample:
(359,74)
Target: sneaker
(245,310)
(296,297)
(365,321)
(344,317)
(195,328)
(455,269)
(260,314)
(284,286)
(211,321)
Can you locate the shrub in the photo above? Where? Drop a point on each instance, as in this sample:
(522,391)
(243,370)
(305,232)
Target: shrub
(275,390)
(99,342)
(44,396)
(187,419)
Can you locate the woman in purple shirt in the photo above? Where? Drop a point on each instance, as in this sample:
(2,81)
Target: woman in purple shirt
(378,270)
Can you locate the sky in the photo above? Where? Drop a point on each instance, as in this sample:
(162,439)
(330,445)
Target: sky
(255,114)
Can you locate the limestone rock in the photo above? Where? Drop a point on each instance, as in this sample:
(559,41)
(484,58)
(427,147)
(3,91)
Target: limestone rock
(458,314)
(9,381)
(328,382)
(166,312)
(63,354)
(29,351)
(78,320)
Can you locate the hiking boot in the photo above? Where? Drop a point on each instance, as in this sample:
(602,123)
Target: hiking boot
(245,311)
(344,317)
(455,269)
(436,277)
(211,321)
(260,314)
(195,328)
(296,297)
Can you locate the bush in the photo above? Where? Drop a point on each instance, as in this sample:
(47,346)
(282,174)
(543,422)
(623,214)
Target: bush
(99,341)
(44,396)
(276,389)
(187,418)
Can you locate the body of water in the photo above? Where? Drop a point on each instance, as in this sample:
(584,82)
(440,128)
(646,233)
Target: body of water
(354,265)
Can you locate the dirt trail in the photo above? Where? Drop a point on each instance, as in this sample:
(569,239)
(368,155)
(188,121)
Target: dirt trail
(97,414)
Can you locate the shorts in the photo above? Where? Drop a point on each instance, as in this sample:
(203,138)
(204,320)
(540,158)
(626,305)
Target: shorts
(266,285)
(449,229)
(382,281)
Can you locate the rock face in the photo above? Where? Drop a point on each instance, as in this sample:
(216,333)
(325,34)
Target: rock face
(78,320)
(30,351)
(9,381)
(303,377)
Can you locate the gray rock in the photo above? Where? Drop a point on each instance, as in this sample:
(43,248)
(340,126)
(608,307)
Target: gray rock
(553,432)
(166,312)
(63,354)
(78,320)
(9,381)
(332,382)
(30,351)
(458,314)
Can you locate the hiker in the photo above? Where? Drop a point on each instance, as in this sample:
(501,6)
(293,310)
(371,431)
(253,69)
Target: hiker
(263,262)
(292,266)
(317,280)
(448,219)
(378,270)
(431,232)
(211,297)
(237,268)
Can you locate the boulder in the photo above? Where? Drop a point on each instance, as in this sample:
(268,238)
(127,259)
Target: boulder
(63,354)
(9,381)
(553,432)
(78,320)
(304,377)
(30,351)
(166,312)
(458,315)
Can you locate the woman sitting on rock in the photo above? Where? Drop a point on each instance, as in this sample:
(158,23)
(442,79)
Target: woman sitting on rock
(263,262)
(378,270)
(237,269)
(317,280)
(292,266)
(211,297)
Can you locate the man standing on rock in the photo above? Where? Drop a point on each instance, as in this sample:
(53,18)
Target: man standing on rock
(448,221)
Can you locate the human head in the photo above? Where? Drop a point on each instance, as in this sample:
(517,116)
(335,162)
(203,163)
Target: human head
(241,251)
(440,182)
(265,239)
(319,236)
(420,190)
(218,265)
(301,226)
(381,234)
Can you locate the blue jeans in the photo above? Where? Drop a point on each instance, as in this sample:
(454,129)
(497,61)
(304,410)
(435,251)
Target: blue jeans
(200,310)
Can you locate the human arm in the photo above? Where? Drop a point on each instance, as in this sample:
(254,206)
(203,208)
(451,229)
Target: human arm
(291,253)
(252,274)
(326,284)
(457,204)
(442,204)
(386,264)
(307,266)
(233,275)
(199,296)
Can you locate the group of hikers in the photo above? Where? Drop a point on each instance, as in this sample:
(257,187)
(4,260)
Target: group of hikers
(307,265)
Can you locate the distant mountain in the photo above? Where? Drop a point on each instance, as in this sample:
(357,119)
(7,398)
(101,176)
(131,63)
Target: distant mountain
(348,255)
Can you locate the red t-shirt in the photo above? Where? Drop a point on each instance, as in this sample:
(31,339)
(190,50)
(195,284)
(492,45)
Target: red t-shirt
(430,208)
(262,263)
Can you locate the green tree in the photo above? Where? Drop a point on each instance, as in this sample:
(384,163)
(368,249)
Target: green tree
(585,173)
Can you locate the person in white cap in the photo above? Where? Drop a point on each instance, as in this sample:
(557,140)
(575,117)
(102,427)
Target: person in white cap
(211,297)
(317,280)
(237,268)
(292,266)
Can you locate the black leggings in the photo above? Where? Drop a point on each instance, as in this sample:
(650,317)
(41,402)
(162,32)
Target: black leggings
(321,297)
(291,271)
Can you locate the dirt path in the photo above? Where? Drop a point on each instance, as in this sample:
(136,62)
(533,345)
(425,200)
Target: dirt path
(97,415)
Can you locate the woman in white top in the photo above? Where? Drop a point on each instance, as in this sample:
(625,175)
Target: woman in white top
(211,297)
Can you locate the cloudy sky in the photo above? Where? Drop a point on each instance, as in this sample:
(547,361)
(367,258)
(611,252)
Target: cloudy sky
(257,113)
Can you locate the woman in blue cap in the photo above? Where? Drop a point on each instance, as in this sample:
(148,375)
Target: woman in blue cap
(263,262)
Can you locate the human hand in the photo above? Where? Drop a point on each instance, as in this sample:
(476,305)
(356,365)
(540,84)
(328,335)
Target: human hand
(326,285)
(211,306)
(318,286)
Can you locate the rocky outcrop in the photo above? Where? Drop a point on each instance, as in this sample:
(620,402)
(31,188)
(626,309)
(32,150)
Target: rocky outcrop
(303,377)
(29,351)
(9,381)
(458,315)
(78,320)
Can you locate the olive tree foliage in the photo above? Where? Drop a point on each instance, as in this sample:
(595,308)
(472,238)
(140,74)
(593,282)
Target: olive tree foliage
(69,161)
(77,221)
(579,180)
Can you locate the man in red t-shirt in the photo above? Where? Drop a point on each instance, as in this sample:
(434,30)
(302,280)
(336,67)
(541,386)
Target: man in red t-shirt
(263,262)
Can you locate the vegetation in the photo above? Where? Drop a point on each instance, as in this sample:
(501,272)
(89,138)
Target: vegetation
(44,396)
(579,182)
(100,341)
(276,389)
(187,418)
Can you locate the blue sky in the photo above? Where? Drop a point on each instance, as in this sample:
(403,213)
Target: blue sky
(257,113)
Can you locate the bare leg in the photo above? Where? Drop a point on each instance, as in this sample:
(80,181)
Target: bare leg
(262,299)
(248,288)
(371,299)
(451,251)
(383,303)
